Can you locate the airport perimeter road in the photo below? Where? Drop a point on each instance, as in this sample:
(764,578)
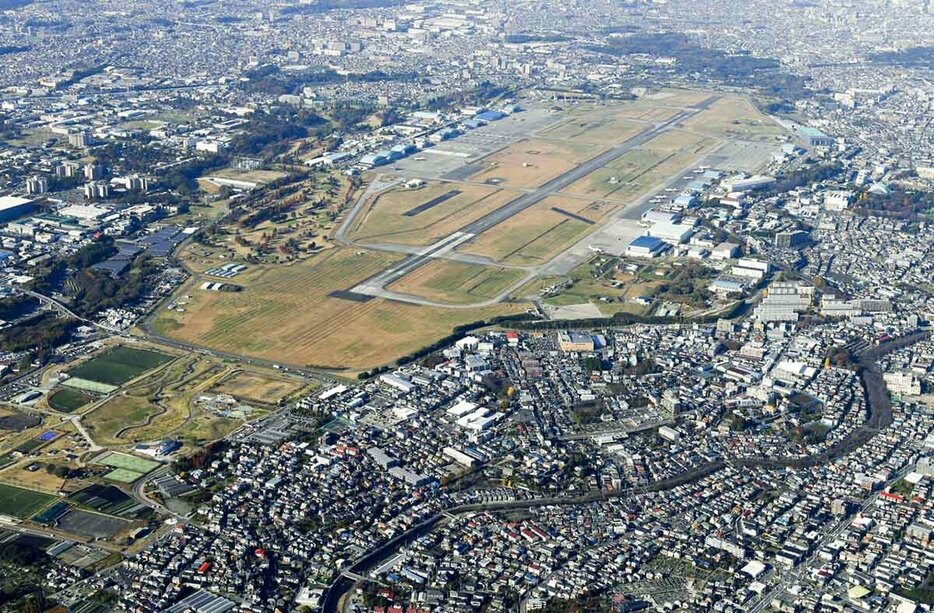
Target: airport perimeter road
(375,286)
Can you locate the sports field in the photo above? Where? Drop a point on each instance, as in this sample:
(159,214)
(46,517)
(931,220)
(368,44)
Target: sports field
(451,282)
(119,365)
(425,215)
(20,503)
(128,462)
(123,475)
(286,313)
(67,399)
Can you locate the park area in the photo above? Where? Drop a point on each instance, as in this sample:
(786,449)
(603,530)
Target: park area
(161,405)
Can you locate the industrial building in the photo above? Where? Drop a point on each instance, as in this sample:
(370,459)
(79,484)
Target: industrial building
(646,247)
(14,207)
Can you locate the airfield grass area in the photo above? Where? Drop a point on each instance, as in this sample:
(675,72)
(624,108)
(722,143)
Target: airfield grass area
(533,162)
(119,365)
(21,503)
(638,171)
(286,313)
(452,282)
(536,235)
(67,400)
(737,118)
(596,128)
(425,215)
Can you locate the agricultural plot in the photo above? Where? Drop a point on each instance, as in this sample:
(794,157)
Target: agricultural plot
(450,282)
(287,314)
(424,216)
(22,503)
(119,365)
(531,163)
(535,235)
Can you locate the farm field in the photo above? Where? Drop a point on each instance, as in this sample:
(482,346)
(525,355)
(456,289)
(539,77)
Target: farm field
(21,503)
(248,386)
(737,118)
(533,162)
(537,234)
(424,216)
(451,282)
(285,313)
(639,170)
(119,365)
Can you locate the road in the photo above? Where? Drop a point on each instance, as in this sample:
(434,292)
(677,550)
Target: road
(375,286)
(64,309)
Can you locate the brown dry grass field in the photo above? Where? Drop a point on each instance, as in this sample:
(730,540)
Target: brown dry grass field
(735,117)
(601,129)
(451,282)
(536,235)
(384,220)
(285,314)
(530,163)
